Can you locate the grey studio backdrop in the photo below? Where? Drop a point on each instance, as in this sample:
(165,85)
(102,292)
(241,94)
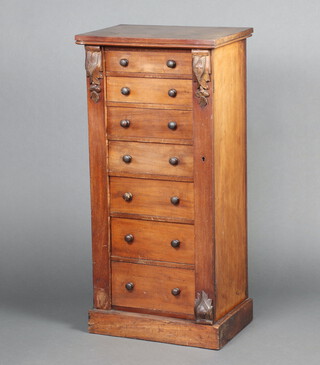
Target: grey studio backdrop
(45,268)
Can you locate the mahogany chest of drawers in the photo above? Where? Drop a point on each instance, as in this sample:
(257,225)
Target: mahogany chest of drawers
(167,140)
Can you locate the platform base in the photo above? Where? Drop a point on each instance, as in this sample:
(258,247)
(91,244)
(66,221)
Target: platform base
(170,330)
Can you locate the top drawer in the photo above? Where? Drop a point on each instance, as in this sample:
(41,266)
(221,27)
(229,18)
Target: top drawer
(168,62)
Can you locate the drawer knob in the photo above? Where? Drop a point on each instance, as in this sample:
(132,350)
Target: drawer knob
(129,286)
(127,197)
(125,123)
(175,243)
(174,161)
(124,62)
(125,91)
(129,238)
(171,63)
(172,126)
(127,158)
(175,200)
(172,93)
(175,291)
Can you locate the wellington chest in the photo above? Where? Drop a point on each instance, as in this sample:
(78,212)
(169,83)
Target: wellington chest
(167,141)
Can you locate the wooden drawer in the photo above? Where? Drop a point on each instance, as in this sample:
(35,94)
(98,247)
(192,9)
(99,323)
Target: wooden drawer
(152,287)
(150,158)
(152,240)
(149,123)
(149,61)
(151,91)
(152,198)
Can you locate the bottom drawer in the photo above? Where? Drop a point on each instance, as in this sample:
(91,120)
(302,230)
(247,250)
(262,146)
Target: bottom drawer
(152,287)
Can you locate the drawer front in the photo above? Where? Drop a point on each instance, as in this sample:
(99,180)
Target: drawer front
(151,91)
(152,240)
(152,286)
(150,158)
(149,62)
(152,197)
(126,123)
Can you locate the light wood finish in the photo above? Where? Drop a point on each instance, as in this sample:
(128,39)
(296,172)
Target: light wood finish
(151,197)
(164,36)
(152,287)
(146,217)
(230,176)
(177,265)
(150,158)
(170,330)
(152,240)
(154,312)
(150,124)
(149,61)
(210,265)
(149,91)
(99,202)
(204,193)
(148,106)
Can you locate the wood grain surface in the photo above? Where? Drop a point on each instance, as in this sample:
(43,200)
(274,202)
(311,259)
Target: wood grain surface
(143,90)
(152,197)
(164,36)
(152,287)
(170,330)
(150,158)
(149,123)
(149,61)
(152,240)
(204,194)
(230,176)
(99,201)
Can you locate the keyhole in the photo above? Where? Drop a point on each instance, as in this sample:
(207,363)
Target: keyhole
(203,158)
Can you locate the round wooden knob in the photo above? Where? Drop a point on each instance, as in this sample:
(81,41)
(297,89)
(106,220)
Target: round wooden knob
(172,93)
(127,158)
(175,200)
(129,286)
(174,161)
(172,126)
(124,62)
(127,197)
(175,243)
(171,63)
(175,291)
(125,91)
(129,238)
(125,123)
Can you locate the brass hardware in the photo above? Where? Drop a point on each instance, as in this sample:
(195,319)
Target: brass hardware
(124,62)
(172,93)
(127,158)
(129,238)
(127,197)
(125,91)
(175,200)
(175,243)
(171,63)
(172,126)
(174,161)
(175,291)
(129,286)
(125,123)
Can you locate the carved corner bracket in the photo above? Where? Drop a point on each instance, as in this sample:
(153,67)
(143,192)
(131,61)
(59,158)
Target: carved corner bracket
(201,66)
(94,71)
(203,309)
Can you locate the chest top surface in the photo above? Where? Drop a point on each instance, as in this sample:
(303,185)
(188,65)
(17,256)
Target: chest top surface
(164,36)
